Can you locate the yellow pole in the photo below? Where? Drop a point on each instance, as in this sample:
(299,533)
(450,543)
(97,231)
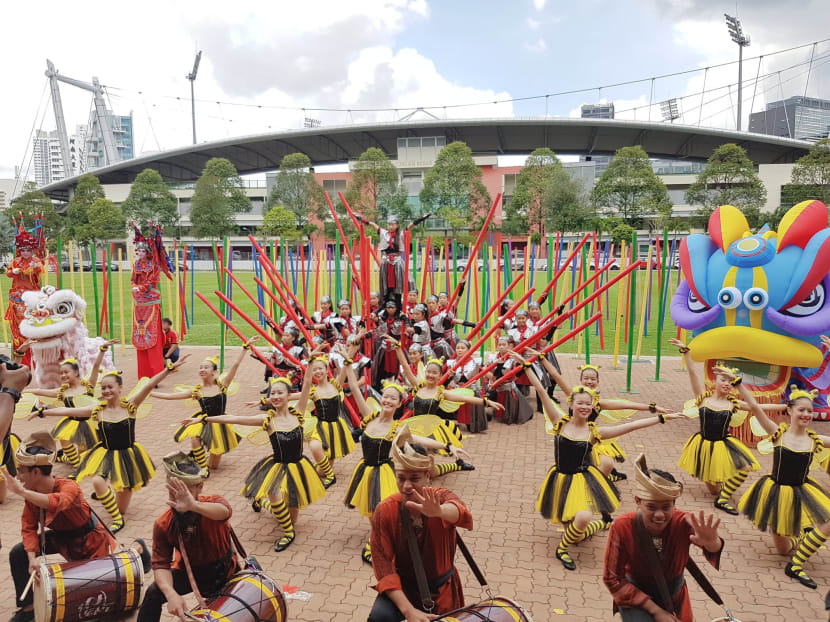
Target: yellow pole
(46,268)
(3,316)
(179,319)
(81,276)
(618,310)
(526,284)
(644,304)
(71,254)
(121,298)
(441,265)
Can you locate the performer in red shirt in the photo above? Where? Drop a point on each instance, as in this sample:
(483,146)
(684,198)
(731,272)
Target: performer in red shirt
(434,514)
(171,341)
(25,271)
(70,527)
(629,575)
(200,525)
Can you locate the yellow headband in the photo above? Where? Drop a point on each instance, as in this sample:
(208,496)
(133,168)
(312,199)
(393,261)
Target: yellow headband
(283,379)
(319,357)
(391,384)
(589,366)
(796,393)
(720,364)
(583,389)
(213,360)
(439,362)
(70,361)
(113,372)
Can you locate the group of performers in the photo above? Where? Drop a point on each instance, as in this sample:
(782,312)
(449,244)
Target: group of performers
(398,383)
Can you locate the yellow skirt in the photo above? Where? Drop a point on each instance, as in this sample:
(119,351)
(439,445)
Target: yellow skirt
(297,483)
(611,449)
(336,436)
(125,469)
(564,494)
(80,432)
(716,461)
(7,454)
(218,438)
(785,510)
(369,486)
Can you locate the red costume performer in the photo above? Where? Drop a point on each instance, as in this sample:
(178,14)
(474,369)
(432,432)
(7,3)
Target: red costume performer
(148,339)
(25,272)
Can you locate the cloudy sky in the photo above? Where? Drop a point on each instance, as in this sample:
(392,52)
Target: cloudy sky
(264,61)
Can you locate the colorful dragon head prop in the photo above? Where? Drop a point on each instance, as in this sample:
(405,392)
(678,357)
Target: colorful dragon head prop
(759,297)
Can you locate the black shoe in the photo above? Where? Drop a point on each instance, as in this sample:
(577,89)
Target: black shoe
(465,466)
(23,616)
(144,554)
(256,505)
(329,482)
(366,555)
(264,391)
(796,572)
(566,560)
(283,543)
(724,506)
(616,476)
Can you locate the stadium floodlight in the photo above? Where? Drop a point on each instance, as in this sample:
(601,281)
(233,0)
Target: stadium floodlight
(670,110)
(736,32)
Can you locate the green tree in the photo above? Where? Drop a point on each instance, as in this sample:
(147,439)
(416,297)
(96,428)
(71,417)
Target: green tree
(217,198)
(375,191)
(106,221)
(34,202)
(630,189)
(728,179)
(7,232)
(87,192)
(298,190)
(279,222)
(453,188)
(810,176)
(150,200)
(620,233)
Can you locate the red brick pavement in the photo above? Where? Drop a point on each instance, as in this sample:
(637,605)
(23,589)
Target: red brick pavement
(512,543)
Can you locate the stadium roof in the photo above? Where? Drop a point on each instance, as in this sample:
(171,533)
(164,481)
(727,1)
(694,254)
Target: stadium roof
(505,136)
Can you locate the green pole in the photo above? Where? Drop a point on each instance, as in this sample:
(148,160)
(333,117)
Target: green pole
(92,254)
(60,263)
(337,278)
(586,310)
(661,313)
(222,330)
(109,290)
(348,278)
(632,301)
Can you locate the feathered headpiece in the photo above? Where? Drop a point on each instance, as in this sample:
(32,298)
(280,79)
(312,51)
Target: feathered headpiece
(154,245)
(32,239)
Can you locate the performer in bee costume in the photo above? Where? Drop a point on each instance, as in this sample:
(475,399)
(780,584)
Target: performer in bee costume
(217,439)
(117,464)
(75,435)
(574,488)
(608,451)
(788,502)
(284,482)
(713,455)
(373,479)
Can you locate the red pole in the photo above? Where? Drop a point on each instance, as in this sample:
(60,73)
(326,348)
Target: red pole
(342,234)
(425,267)
(236,331)
(495,306)
(565,265)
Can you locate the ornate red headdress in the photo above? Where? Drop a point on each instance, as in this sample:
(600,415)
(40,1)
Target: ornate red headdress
(153,244)
(24,240)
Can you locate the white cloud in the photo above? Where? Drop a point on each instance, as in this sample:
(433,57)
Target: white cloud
(539,4)
(533,24)
(539,46)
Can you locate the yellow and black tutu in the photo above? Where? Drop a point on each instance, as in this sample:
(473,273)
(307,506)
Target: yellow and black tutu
(217,438)
(373,478)
(297,483)
(788,499)
(716,461)
(336,437)
(80,432)
(7,453)
(564,494)
(125,469)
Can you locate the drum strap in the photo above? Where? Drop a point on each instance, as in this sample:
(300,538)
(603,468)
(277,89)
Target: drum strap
(41,523)
(646,545)
(417,562)
(471,562)
(191,579)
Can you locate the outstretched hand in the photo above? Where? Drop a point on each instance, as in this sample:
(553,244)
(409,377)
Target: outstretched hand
(705,531)
(179,496)
(677,343)
(427,503)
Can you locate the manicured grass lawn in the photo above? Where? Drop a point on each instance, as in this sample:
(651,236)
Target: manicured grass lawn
(204,328)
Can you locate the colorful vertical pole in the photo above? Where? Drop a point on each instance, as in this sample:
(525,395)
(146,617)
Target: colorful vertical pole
(618,314)
(632,300)
(60,263)
(92,254)
(337,275)
(662,309)
(586,310)
(121,298)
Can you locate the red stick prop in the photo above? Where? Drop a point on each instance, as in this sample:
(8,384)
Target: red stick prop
(497,304)
(342,236)
(474,252)
(358,225)
(425,266)
(236,331)
(572,334)
(565,265)
(487,335)
(287,308)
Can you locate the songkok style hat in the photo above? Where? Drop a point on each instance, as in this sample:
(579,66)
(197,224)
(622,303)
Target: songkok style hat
(173,464)
(37,450)
(652,487)
(404,454)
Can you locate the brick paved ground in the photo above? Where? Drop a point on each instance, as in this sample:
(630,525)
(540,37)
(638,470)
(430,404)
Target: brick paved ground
(513,544)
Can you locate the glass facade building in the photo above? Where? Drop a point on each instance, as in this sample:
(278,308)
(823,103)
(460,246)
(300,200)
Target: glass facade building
(803,118)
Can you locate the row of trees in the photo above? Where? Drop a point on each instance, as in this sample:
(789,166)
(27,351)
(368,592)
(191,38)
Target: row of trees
(546,198)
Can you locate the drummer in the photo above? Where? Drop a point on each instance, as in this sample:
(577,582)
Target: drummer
(433,512)
(200,523)
(70,527)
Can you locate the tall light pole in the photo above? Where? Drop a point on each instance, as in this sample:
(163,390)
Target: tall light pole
(742,39)
(192,77)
